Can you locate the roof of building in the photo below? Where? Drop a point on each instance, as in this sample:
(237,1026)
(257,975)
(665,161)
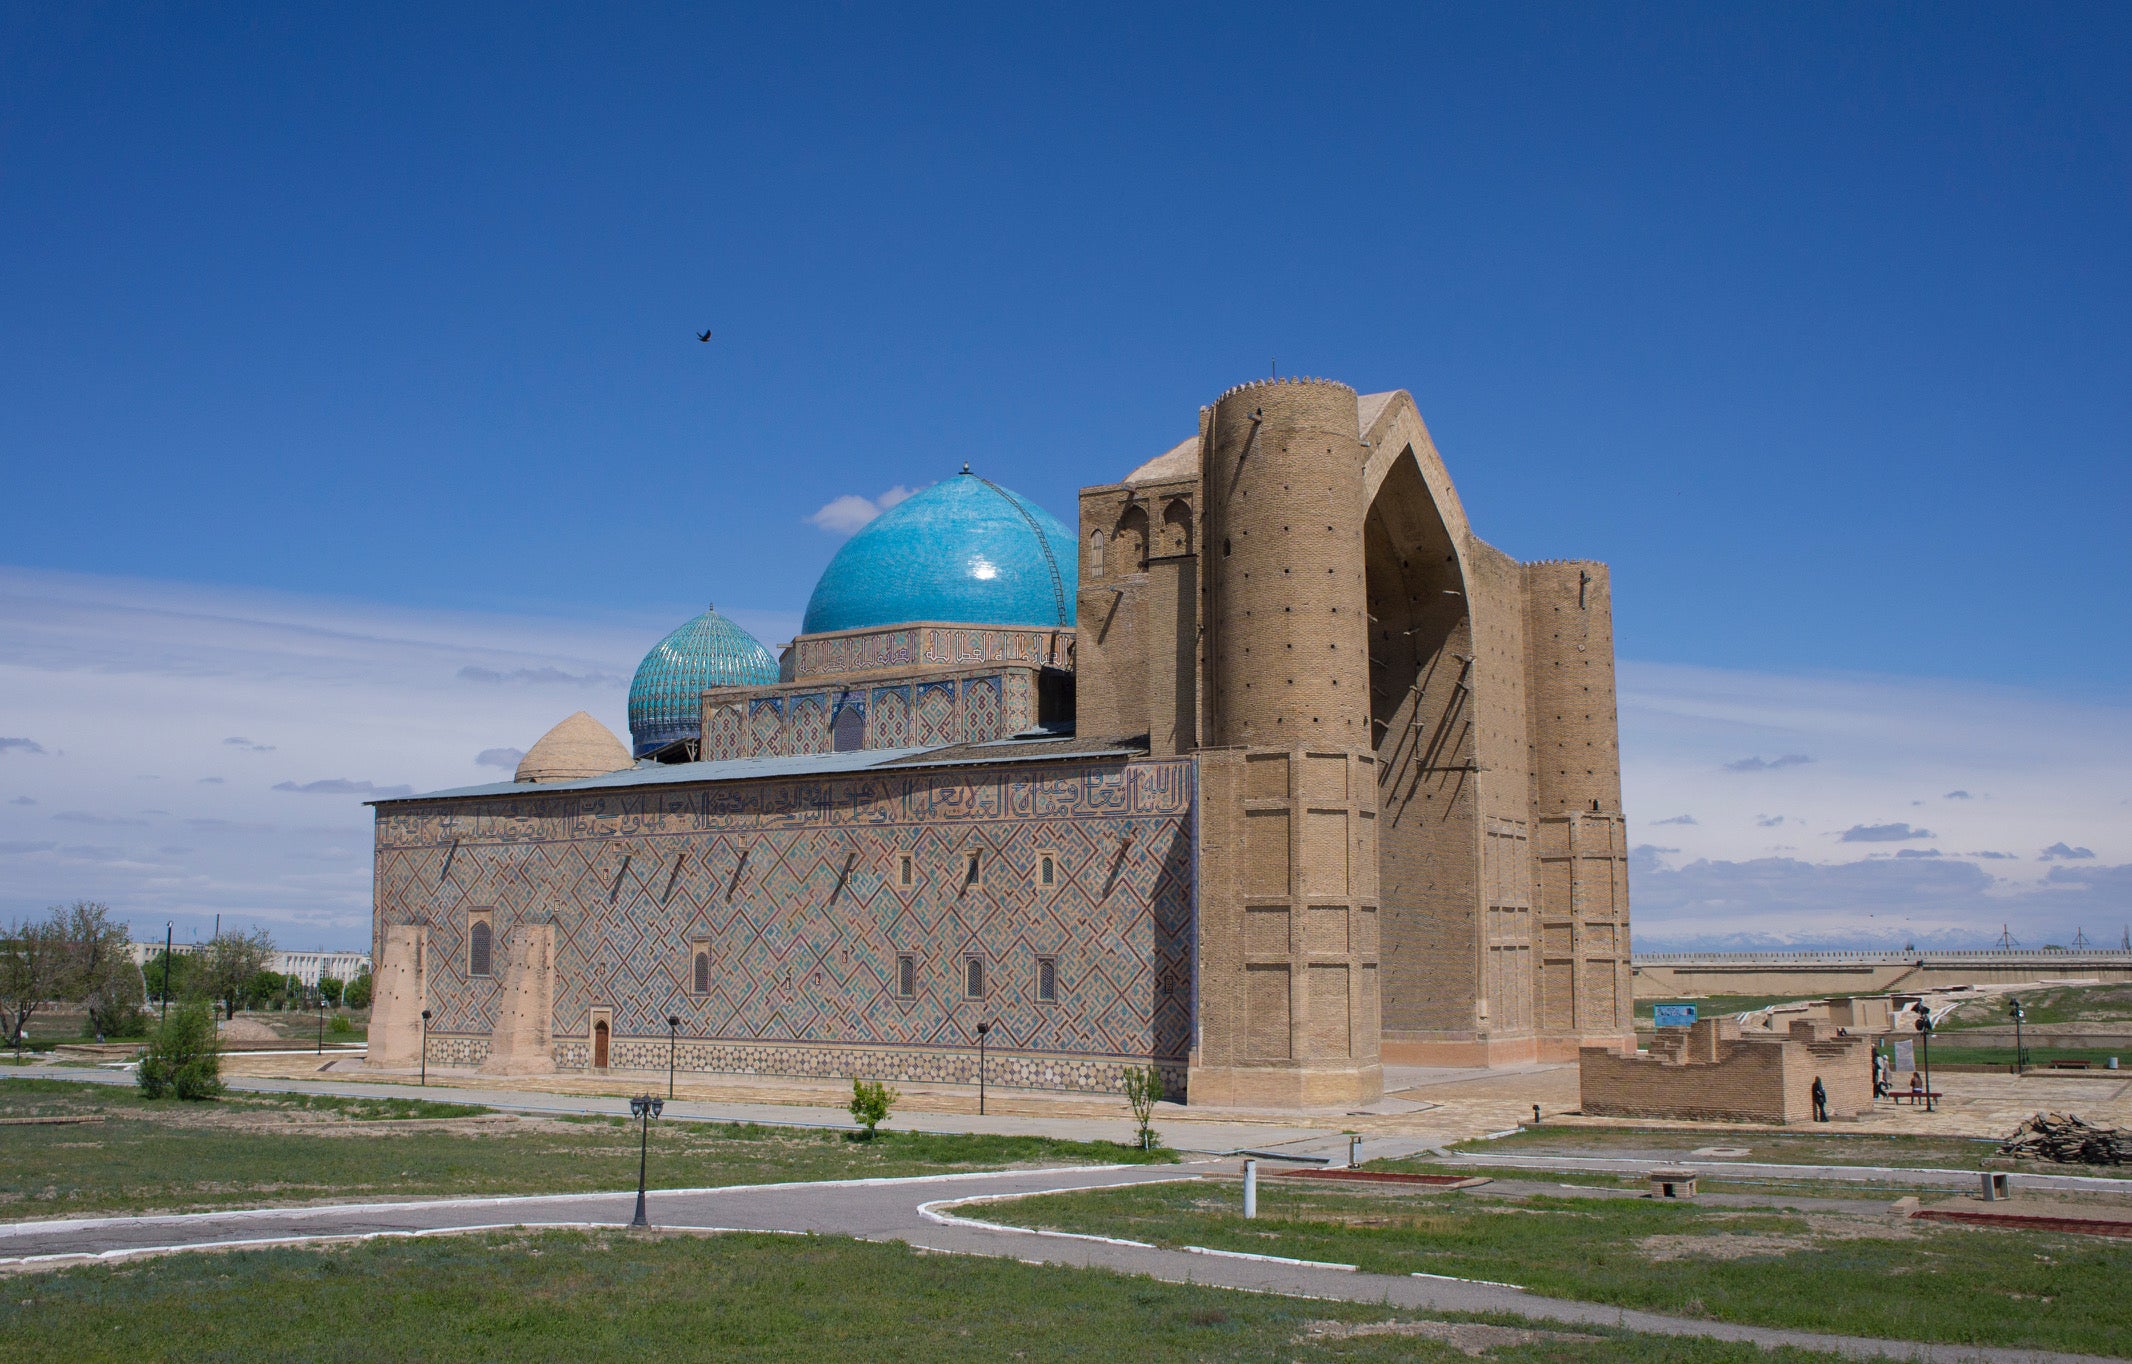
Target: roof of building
(963,551)
(666,696)
(578,748)
(1042,748)
(1179,461)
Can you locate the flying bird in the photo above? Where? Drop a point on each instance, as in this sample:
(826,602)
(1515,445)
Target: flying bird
(703,336)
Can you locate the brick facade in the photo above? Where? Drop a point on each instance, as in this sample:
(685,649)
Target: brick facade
(1710,1073)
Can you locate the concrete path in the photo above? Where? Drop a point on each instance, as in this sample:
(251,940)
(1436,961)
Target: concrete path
(958,1214)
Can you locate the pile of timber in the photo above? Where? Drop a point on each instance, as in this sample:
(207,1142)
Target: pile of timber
(2063,1137)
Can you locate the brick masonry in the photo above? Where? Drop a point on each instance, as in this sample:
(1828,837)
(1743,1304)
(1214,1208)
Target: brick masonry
(1709,1073)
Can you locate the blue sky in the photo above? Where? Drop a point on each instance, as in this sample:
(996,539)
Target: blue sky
(1809,320)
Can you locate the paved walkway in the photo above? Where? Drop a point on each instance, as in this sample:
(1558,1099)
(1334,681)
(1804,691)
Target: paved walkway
(1197,1137)
(949,1213)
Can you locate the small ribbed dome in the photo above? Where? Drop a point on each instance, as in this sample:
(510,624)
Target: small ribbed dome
(965,551)
(578,748)
(666,698)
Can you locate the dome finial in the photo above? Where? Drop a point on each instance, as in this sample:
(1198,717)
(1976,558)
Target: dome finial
(966,466)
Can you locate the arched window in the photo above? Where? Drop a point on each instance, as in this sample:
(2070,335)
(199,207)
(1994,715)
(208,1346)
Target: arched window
(1177,528)
(703,973)
(479,938)
(1095,555)
(1132,540)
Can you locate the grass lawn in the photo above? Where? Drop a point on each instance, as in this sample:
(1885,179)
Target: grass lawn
(1781,1148)
(612,1296)
(253,1149)
(2038,1057)
(1794,1148)
(1863,1274)
(2056,1004)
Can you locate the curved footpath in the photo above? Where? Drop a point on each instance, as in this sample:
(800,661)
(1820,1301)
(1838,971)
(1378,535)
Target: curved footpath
(958,1214)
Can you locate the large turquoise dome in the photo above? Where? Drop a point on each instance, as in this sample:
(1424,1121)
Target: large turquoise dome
(666,697)
(964,550)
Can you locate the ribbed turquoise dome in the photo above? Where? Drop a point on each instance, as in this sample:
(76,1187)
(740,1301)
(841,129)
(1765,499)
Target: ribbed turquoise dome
(964,550)
(665,699)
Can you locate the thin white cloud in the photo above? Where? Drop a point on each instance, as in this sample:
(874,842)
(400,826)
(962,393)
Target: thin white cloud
(342,786)
(2053,771)
(505,758)
(339,690)
(851,513)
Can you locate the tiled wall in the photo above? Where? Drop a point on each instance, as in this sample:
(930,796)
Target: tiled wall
(928,646)
(948,708)
(794,889)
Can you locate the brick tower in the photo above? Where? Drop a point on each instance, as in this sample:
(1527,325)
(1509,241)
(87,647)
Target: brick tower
(1288,891)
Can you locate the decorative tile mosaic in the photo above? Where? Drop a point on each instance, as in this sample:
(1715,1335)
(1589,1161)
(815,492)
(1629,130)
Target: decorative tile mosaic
(929,646)
(796,718)
(790,885)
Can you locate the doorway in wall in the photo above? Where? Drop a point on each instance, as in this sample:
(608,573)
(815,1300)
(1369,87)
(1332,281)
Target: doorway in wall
(599,1045)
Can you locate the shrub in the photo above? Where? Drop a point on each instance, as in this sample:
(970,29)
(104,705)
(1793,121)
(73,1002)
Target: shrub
(126,1020)
(340,1026)
(357,993)
(870,1102)
(1143,1090)
(184,1057)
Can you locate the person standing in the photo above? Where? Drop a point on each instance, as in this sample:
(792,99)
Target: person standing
(1820,1100)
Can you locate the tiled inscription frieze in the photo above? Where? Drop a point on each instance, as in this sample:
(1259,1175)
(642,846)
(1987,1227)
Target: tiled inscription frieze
(929,646)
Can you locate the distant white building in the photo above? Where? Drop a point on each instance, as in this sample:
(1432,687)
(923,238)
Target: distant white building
(307,967)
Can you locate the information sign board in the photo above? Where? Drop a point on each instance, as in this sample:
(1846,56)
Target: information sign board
(1673,1015)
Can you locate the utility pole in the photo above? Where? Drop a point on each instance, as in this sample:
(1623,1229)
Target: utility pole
(165,1016)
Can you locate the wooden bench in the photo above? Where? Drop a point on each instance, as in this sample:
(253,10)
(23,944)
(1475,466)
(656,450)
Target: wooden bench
(2071,1065)
(1928,1096)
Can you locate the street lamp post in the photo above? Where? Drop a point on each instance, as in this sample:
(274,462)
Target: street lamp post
(644,1109)
(1924,1028)
(982,1029)
(425,1048)
(321,1022)
(2020,1052)
(673,1031)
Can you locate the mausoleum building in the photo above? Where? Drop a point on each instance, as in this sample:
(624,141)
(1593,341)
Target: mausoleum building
(1268,773)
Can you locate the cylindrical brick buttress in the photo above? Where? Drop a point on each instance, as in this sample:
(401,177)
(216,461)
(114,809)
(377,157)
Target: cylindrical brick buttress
(1287,600)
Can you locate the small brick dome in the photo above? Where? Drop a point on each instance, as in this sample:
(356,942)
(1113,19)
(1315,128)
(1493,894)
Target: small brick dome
(578,748)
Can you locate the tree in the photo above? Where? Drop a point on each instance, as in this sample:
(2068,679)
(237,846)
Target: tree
(184,1057)
(33,963)
(870,1102)
(99,972)
(357,995)
(230,961)
(329,990)
(180,970)
(1143,1090)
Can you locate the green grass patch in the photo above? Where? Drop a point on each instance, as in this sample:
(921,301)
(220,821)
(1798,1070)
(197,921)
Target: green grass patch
(591,1298)
(2056,1004)
(1789,1148)
(2039,1058)
(1863,1275)
(253,1149)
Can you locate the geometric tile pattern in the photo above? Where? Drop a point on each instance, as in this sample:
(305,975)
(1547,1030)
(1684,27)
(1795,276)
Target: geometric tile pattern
(894,713)
(792,886)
